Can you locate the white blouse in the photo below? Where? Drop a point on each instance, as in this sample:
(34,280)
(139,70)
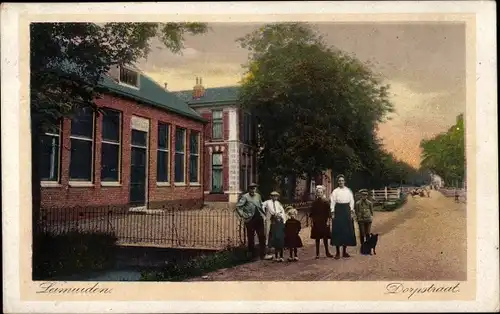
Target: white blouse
(275,209)
(342,196)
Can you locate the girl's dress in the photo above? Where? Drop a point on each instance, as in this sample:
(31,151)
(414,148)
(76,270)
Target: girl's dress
(277,233)
(292,237)
(320,213)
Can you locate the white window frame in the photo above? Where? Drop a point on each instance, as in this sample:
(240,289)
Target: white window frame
(125,83)
(212,172)
(84,183)
(119,144)
(180,183)
(58,175)
(218,121)
(197,182)
(167,151)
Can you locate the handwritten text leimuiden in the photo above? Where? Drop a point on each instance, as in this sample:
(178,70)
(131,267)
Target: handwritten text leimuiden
(63,288)
(400,288)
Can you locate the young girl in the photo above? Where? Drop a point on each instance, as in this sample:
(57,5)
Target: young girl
(292,238)
(277,232)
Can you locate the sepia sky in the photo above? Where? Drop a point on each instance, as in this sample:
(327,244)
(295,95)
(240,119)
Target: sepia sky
(423,63)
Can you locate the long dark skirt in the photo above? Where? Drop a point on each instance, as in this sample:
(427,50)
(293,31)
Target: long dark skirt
(343,227)
(277,235)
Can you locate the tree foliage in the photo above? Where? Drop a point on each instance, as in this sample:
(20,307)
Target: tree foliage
(444,154)
(317,106)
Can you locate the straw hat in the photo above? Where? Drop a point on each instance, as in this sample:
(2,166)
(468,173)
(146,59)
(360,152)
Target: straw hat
(274,193)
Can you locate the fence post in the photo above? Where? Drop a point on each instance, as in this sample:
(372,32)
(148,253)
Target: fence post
(385,193)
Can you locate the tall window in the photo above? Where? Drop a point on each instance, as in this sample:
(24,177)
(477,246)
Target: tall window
(217,172)
(110,150)
(194,156)
(49,156)
(180,154)
(129,77)
(163,156)
(217,133)
(82,145)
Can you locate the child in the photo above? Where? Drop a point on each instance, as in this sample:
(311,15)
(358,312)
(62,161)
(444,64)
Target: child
(277,232)
(292,238)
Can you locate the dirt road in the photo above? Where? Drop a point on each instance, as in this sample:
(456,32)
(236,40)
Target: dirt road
(423,240)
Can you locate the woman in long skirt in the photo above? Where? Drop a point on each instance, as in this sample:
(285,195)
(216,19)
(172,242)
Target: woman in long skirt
(342,207)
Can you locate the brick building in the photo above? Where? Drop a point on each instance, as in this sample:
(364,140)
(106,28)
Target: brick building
(144,149)
(230,143)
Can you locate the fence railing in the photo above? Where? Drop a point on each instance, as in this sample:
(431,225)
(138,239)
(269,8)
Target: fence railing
(450,192)
(166,227)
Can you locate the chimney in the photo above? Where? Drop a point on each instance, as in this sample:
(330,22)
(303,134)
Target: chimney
(198,89)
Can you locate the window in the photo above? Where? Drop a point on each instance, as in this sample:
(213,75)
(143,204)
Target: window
(82,145)
(247,128)
(49,156)
(194,156)
(217,173)
(163,156)
(129,77)
(217,125)
(180,154)
(110,150)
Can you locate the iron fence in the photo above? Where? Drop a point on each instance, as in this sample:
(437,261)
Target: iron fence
(164,226)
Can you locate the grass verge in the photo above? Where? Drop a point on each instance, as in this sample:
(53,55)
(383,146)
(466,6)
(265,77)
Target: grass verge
(198,266)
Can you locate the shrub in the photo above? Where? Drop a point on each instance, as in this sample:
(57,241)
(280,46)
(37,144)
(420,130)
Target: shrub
(198,266)
(71,253)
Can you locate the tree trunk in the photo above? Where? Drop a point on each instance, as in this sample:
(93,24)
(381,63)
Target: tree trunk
(292,187)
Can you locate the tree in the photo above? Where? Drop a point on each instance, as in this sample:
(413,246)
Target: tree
(444,154)
(318,107)
(67,61)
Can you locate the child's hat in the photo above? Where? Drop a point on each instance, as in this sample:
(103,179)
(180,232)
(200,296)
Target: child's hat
(274,193)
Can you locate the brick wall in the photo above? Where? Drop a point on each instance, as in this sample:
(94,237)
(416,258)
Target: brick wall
(63,195)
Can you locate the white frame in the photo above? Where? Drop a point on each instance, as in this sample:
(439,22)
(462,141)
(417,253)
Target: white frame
(198,135)
(165,150)
(90,182)
(180,183)
(119,144)
(146,171)
(219,121)
(55,182)
(212,172)
(126,84)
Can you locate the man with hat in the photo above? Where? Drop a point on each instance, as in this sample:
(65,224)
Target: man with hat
(271,207)
(364,215)
(249,208)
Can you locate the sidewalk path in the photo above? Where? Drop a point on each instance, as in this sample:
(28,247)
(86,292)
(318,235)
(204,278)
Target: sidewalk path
(423,240)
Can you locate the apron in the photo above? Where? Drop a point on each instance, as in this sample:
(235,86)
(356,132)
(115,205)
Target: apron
(343,226)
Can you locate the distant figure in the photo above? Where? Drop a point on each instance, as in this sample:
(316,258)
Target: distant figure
(428,193)
(320,214)
(457,199)
(342,208)
(292,237)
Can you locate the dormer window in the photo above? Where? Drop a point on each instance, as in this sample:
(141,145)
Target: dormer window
(129,77)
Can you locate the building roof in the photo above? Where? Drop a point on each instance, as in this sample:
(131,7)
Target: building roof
(211,96)
(148,93)
(151,93)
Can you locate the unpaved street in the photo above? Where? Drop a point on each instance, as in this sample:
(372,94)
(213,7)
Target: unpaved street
(423,240)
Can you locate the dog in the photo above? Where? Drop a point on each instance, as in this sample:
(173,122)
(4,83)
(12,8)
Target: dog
(370,244)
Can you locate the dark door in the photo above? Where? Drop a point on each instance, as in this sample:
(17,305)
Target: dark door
(138,157)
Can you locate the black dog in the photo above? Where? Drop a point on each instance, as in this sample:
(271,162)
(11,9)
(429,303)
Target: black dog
(370,244)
